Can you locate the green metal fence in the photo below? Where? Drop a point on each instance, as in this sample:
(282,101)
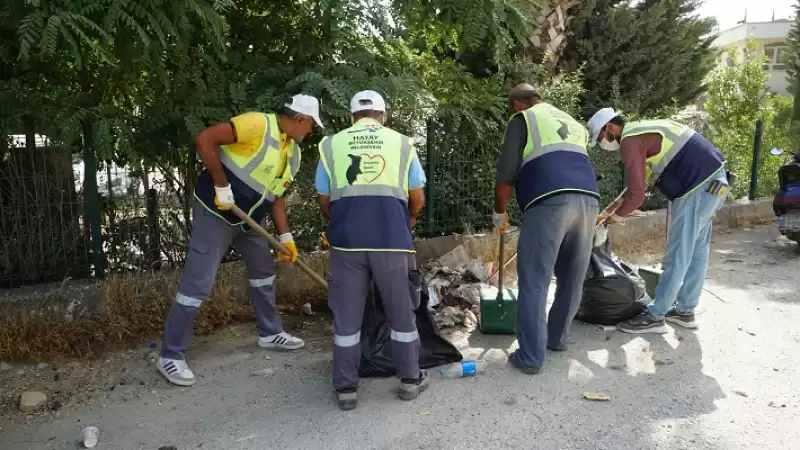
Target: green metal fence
(143,214)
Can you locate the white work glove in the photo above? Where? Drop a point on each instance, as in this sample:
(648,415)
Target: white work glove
(224,197)
(600,235)
(288,241)
(500,222)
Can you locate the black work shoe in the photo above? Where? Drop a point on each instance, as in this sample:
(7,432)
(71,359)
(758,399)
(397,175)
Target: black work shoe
(557,348)
(642,324)
(686,320)
(347,398)
(411,388)
(530,370)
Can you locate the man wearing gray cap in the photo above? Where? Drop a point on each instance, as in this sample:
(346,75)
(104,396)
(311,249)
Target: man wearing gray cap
(370,186)
(250,161)
(544,159)
(691,174)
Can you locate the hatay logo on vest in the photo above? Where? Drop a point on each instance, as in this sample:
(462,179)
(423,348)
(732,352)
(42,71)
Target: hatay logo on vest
(369,167)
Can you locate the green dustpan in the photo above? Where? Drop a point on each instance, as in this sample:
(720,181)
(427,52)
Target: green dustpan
(498,306)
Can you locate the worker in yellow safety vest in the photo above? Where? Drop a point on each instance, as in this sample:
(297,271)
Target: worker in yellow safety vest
(690,172)
(370,184)
(545,160)
(249,161)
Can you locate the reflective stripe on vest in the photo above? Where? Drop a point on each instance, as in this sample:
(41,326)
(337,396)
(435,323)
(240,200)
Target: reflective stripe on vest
(552,130)
(673,137)
(362,190)
(268,184)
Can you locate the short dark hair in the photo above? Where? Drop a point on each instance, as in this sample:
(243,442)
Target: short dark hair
(618,120)
(358,115)
(524,92)
(288,112)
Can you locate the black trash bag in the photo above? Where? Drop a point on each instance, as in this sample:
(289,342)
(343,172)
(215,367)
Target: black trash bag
(612,290)
(376,345)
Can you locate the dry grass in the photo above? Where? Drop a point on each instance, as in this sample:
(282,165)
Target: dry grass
(651,248)
(647,248)
(130,310)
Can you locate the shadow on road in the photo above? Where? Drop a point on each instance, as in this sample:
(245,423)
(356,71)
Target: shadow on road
(652,380)
(756,259)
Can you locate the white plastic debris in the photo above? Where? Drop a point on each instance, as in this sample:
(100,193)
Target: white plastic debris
(433,297)
(90,436)
(600,236)
(476,270)
(470,293)
(456,257)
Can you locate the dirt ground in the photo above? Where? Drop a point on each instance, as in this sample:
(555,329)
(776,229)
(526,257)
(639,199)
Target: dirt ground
(130,375)
(733,384)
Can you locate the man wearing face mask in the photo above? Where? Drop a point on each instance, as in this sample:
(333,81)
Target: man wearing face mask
(249,161)
(544,158)
(370,184)
(690,172)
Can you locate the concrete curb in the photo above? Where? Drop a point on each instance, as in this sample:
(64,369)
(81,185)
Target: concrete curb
(733,214)
(294,287)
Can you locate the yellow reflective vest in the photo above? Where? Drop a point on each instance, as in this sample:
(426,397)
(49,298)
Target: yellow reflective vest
(252,169)
(367,165)
(555,157)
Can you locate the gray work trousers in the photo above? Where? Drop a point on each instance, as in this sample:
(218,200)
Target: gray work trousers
(351,273)
(556,236)
(211,238)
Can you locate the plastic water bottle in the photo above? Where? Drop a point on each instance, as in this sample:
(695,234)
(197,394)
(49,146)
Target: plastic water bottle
(463,369)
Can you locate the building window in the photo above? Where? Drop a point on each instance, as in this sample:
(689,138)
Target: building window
(777,56)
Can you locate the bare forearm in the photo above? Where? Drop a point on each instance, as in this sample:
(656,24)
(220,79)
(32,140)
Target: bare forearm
(416,201)
(210,157)
(279,216)
(325,205)
(502,194)
(207,144)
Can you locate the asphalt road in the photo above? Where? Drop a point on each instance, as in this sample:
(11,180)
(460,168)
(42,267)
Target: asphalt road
(733,384)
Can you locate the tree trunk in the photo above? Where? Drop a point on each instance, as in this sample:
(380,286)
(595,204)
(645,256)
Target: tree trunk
(90,191)
(553,22)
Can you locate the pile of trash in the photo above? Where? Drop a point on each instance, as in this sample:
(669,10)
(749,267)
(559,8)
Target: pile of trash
(454,282)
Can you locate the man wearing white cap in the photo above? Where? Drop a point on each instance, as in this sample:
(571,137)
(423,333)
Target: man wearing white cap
(250,161)
(370,185)
(691,174)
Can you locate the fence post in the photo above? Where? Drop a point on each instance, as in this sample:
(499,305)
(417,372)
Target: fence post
(154,235)
(430,157)
(756,151)
(92,197)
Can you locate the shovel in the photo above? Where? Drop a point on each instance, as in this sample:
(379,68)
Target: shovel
(498,306)
(277,245)
(605,214)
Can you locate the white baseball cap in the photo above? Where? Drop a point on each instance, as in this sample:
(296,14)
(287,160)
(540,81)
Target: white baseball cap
(307,106)
(599,120)
(367,100)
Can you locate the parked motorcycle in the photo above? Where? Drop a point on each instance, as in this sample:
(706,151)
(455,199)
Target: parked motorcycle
(786,203)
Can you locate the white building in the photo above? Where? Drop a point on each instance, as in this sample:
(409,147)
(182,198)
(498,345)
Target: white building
(770,38)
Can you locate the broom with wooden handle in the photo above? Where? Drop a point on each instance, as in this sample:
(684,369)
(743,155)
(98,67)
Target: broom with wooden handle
(277,245)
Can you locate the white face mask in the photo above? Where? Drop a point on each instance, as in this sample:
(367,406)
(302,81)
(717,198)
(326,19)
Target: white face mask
(610,146)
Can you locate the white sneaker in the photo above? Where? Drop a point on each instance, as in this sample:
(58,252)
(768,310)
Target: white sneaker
(176,371)
(282,340)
